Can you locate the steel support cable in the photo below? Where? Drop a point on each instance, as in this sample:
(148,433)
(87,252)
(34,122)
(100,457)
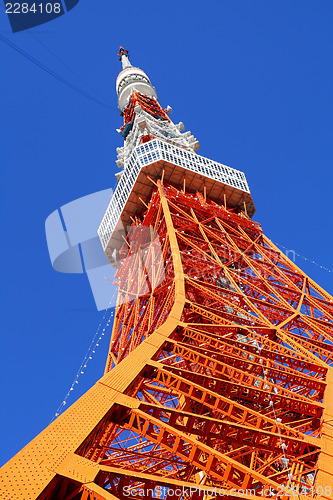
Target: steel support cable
(53,73)
(31,33)
(305,258)
(88,356)
(64,64)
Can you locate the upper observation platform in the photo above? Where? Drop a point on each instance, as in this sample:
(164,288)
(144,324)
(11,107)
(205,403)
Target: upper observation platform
(151,159)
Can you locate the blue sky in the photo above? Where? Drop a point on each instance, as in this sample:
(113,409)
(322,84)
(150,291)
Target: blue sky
(252,80)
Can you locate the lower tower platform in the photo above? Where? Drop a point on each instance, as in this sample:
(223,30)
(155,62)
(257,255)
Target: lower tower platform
(218,378)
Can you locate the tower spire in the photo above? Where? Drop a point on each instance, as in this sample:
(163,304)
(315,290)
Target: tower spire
(144,117)
(131,78)
(123,57)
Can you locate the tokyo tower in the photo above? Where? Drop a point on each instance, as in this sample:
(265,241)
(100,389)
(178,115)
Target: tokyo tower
(219,378)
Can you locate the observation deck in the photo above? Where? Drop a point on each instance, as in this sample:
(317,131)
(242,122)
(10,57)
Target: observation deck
(150,159)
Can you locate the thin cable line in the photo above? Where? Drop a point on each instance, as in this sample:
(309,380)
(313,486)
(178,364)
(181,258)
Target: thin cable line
(91,350)
(31,33)
(305,258)
(64,64)
(53,73)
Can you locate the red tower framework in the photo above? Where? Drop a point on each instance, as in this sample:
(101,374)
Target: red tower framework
(219,379)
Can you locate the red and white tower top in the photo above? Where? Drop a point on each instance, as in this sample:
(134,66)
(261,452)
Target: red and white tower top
(131,78)
(144,118)
(155,146)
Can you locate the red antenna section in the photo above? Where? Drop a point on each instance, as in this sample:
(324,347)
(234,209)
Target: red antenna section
(122,52)
(148,104)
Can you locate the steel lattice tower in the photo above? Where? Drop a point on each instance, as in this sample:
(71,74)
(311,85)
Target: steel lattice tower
(219,373)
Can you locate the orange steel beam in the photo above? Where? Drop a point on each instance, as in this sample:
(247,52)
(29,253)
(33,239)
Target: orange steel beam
(222,373)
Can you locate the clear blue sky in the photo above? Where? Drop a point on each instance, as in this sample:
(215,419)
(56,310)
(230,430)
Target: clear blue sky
(252,80)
